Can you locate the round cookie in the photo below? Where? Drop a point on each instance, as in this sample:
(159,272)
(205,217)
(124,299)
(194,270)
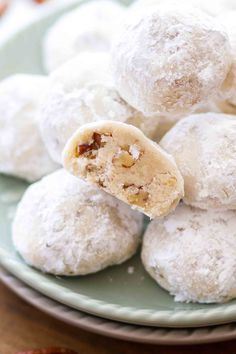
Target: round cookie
(64,226)
(187,73)
(72,102)
(90,27)
(203,146)
(22,152)
(121,160)
(192,254)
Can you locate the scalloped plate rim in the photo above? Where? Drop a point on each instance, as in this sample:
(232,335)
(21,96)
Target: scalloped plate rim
(120,331)
(131,315)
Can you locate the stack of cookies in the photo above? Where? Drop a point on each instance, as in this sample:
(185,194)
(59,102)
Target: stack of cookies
(138,117)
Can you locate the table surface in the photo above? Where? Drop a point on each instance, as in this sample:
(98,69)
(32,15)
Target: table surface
(22,327)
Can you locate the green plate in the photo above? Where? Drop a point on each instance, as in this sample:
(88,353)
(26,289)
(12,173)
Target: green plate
(112,293)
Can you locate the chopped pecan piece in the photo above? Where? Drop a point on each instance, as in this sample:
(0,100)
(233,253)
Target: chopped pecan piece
(125,186)
(88,149)
(124,159)
(101,183)
(97,140)
(139,198)
(171,182)
(82,149)
(91,168)
(127,156)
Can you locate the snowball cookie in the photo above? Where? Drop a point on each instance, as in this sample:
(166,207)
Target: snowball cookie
(90,27)
(161,63)
(66,227)
(121,160)
(192,254)
(22,152)
(65,111)
(203,146)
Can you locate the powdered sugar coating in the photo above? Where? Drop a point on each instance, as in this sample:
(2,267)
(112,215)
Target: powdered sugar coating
(72,102)
(161,63)
(203,146)
(66,227)
(166,123)
(211,7)
(192,254)
(82,69)
(22,152)
(63,103)
(230,5)
(228,20)
(90,27)
(223,103)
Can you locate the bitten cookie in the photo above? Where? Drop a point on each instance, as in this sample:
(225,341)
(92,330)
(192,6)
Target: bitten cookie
(192,254)
(119,159)
(64,226)
(22,151)
(90,27)
(203,146)
(187,72)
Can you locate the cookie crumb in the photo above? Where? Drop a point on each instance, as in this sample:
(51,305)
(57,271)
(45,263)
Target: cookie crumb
(130,270)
